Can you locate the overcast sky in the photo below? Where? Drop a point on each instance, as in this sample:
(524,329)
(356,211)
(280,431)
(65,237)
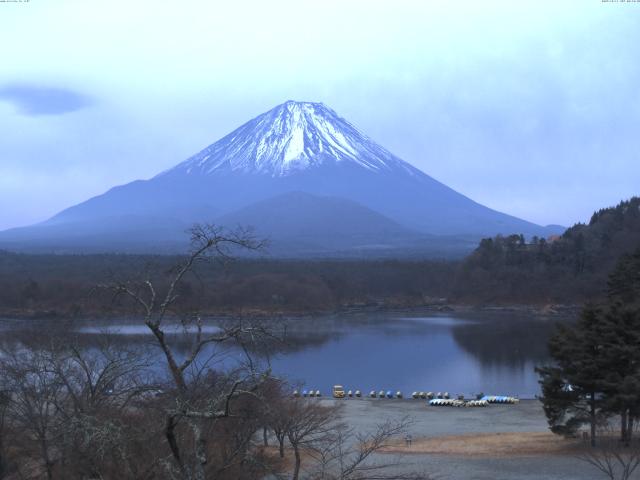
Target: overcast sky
(531,108)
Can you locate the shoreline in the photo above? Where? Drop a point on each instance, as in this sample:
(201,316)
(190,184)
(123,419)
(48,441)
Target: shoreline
(534,310)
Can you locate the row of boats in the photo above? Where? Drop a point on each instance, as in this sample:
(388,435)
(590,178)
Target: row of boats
(480,402)
(450,402)
(435,399)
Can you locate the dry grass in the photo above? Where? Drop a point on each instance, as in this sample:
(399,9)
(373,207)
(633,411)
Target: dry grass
(490,445)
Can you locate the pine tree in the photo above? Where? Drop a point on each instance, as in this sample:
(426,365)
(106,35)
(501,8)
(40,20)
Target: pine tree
(597,361)
(572,391)
(566,410)
(624,282)
(623,342)
(622,381)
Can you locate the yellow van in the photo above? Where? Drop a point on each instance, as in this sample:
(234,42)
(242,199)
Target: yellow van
(338,391)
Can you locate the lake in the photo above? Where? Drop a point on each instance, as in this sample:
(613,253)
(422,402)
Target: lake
(489,352)
(468,354)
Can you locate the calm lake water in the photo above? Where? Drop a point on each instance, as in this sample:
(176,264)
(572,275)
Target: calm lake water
(494,353)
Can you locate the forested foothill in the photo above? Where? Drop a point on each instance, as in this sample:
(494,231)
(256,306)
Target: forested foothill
(567,269)
(504,270)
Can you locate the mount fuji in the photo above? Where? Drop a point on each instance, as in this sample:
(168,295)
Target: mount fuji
(301,175)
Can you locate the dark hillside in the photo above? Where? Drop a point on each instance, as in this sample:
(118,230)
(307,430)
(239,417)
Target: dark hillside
(63,284)
(569,268)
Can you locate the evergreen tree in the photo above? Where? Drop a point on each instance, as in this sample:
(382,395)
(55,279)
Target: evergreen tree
(622,380)
(624,282)
(623,342)
(566,410)
(597,361)
(572,390)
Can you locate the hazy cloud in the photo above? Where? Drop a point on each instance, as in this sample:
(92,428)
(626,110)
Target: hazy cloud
(40,100)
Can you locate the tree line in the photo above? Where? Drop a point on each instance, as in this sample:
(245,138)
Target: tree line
(502,270)
(63,286)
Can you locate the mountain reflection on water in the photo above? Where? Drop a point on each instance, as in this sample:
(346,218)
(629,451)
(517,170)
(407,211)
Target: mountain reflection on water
(492,352)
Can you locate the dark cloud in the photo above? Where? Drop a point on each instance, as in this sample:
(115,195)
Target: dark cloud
(37,100)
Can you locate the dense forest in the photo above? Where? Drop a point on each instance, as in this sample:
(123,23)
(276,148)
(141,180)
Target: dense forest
(568,268)
(54,285)
(503,270)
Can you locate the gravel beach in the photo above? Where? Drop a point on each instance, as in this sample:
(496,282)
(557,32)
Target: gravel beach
(541,460)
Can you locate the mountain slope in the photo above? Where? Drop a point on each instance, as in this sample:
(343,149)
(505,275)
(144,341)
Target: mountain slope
(310,222)
(295,147)
(125,234)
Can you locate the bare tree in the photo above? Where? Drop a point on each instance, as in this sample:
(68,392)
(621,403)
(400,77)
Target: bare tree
(616,458)
(190,406)
(103,387)
(278,420)
(33,399)
(350,455)
(207,242)
(4,401)
(308,427)
(109,375)
(70,408)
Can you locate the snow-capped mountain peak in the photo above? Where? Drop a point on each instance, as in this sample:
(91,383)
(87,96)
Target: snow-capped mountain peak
(302,175)
(291,137)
